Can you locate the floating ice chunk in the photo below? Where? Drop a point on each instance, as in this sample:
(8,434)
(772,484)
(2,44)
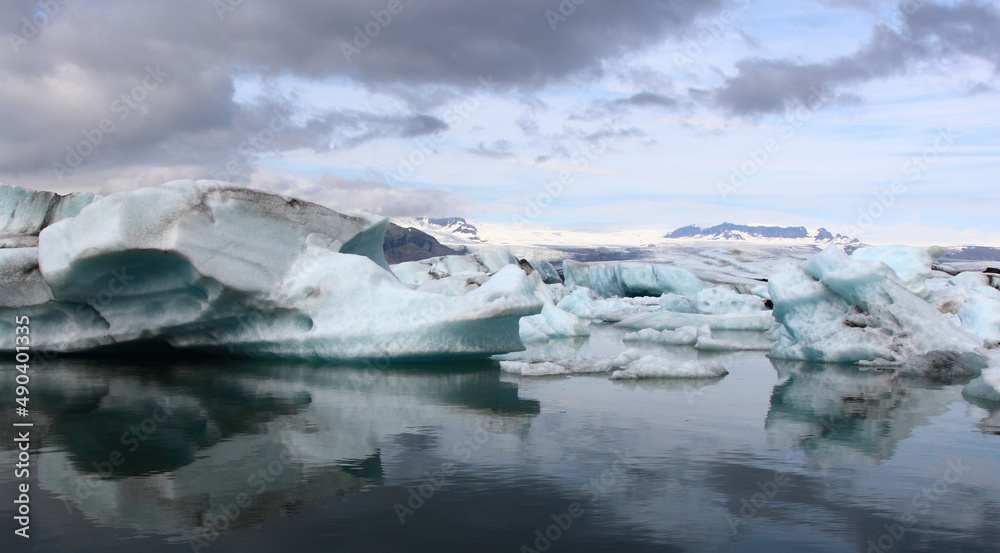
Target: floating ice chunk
(911,264)
(701,338)
(721,300)
(944,365)
(676,303)
(631,279)
(434,268)
(838,309)
(652,366)
(985,388)
(761,321)
(707,343)
(547,365)
(683,336)
(981,316)
(523,368)
(551,323)
(582,303)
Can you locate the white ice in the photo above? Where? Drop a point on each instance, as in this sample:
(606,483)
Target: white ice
(206,265)
(478,263)
(651,366)
(627,279)
(838,309)
(24,213)
(985,388)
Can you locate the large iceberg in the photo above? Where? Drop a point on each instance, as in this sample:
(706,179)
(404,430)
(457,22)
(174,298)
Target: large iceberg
(206,265)
(836,308)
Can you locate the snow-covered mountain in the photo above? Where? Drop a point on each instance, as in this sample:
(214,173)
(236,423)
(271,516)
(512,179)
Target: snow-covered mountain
(454,231)
(731,231)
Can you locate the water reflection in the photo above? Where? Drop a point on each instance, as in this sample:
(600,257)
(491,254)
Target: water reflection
(837,414)
(170,447)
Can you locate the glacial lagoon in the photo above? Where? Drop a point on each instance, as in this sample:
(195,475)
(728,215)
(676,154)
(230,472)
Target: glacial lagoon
(162,453)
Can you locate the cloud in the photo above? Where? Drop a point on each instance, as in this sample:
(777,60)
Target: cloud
(647,99)
(931,33)
(364,194)
(498,149)
(89,59)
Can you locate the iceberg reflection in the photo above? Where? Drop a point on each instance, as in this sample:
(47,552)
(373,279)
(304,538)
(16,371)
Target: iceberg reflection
(188,448)
(837,414)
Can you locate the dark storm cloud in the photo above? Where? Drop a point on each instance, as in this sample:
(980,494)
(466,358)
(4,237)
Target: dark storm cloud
(68,62)
(931,33)
(648,99)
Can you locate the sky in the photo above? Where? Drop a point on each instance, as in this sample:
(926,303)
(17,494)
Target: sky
(876,119)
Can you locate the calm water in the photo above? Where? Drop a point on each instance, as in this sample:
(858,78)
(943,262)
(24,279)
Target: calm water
(210,455)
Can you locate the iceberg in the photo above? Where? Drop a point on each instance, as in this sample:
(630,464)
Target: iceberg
(551,323)
(683,336)
(986,388)
(981,316)
(911,264)
(546,368)
(545,270)
(546,365)
(761,321)
(434,268)
(24,213)
(651,366)
(209,266)
(700,338)
(583,303)
(720,300)
(834,308)
(632,363)
(629,279)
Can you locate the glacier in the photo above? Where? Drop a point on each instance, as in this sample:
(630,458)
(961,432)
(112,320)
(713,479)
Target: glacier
(209,266)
